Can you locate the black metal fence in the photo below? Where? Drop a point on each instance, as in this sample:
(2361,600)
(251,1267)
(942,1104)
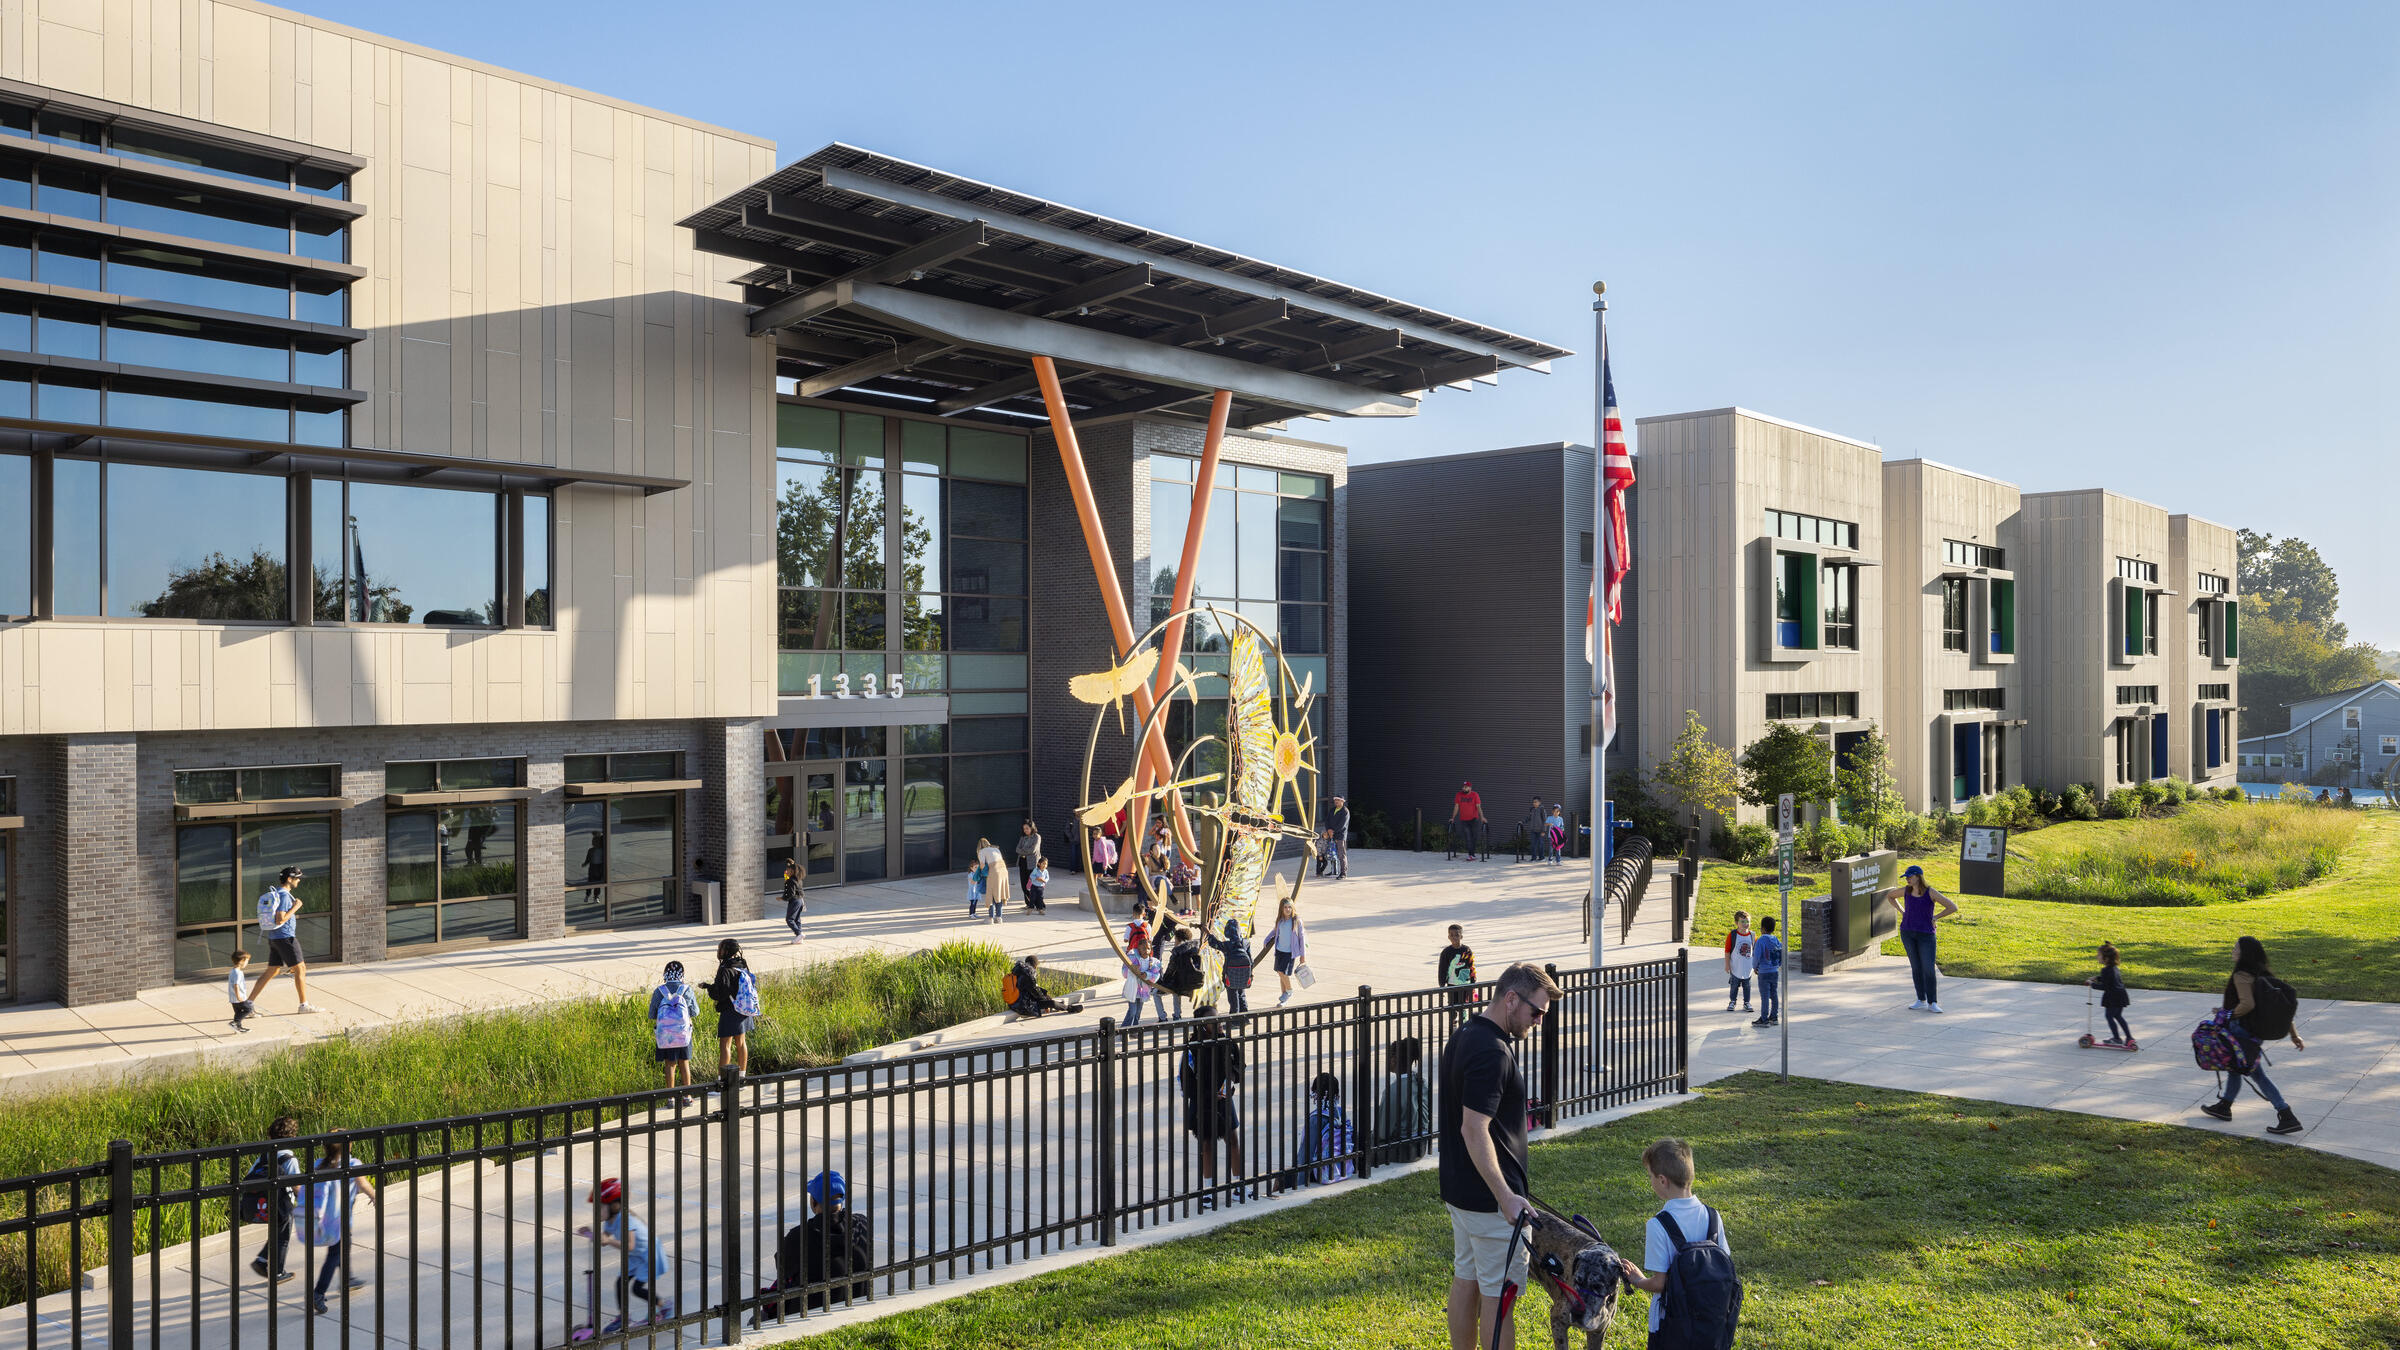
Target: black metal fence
(484,1231)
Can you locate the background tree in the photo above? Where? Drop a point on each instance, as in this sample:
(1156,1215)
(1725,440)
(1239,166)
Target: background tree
(2289,579)
(2285,661)
(1697,775)
(1869,790)
(1786,759)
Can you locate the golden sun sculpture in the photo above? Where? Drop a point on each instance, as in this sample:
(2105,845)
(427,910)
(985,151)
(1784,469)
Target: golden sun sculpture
(1251,790)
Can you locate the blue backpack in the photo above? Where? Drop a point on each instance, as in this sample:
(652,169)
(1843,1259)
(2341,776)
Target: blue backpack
(674,1028)
(745,992)
(1704,1298)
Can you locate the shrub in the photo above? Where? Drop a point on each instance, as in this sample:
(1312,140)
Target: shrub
(2199,857)
(1437,838)
(1748,842)
(2178,789)
(1374,829)
(1911,833)
(2023,812)
(1651,818)
(1850,840)
(2076,803)
(2045,802)
(2122,804)
(2232,796)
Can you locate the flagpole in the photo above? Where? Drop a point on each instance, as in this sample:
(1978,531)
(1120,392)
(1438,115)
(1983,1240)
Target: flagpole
(1601,560)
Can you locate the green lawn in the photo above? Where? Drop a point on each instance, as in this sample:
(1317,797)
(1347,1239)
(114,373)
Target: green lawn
(1860,1219)
(2333,938)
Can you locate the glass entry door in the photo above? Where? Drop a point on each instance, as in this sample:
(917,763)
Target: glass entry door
(621,860)
(804,820)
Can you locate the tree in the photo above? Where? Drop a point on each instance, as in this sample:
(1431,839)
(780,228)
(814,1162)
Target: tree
(2286,660)
(1786,759)
(1697,774)
(1870,791)
(2290,580)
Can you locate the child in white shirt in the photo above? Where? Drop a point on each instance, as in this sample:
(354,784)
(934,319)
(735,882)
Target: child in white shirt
(237,989)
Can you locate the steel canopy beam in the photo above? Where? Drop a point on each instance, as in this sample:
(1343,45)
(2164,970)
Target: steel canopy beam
(970,325)
(882,363)
(1232,323)
(933,252)
(1098,291)
(849,180)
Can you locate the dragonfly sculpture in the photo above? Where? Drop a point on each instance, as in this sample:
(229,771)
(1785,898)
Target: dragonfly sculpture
(1243,793)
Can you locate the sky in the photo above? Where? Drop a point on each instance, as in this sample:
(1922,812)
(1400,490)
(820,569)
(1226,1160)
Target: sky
(2149,247)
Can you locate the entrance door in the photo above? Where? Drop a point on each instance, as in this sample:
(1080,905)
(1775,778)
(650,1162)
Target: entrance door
(1966,760)
(804,821)
(621,860)
(823,826)
(2158,745)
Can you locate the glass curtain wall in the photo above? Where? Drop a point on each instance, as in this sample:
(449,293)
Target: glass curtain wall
(1266,555)
(901,552)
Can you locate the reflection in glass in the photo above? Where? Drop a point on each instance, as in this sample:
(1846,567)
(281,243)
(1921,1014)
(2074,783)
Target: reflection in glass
(204,874)
(75,539)
(1216,549)
(976,453)
(987,567)
(1303,575)
(988,782)
(195,214)
(1302,524)
(987,510)
(243,419)
(189,344)
(924,816)
(863,623)
(1303,629)
(326,540)
(920,532)
(479,849)
(641,837)
(163,274)
(1170,517)
(423,555)
(1254,543)
(969,735)
(863,850)
(16,540)
(537,561)
(192,544)
(412,857)
(587,843)
(986,624)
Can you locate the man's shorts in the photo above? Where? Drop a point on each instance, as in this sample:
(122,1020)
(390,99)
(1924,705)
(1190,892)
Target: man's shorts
(284,952)
(1479,1246)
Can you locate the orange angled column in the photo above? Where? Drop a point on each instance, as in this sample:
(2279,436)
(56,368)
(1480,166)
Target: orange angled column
(1112,595)
(1220,409)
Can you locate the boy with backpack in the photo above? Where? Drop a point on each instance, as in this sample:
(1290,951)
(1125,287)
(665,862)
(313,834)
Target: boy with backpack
(1696,1301)
(1740,957)
(735,992)
(673,1011)
(1766,956)
(267,1201)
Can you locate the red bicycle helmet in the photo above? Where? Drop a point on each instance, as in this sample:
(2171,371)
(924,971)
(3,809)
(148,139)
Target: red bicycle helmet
(609,1192)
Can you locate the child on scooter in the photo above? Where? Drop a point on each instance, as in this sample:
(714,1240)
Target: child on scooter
(645,1271)
(2113,997)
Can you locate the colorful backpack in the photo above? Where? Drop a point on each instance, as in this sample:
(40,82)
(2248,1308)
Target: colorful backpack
(745,992)
(2219,1048)
(1333,1142)
(674,1018)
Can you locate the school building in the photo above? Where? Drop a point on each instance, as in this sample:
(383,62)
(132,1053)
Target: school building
(513,506)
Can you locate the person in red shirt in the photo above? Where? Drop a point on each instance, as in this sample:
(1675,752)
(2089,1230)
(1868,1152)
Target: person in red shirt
(1466,819)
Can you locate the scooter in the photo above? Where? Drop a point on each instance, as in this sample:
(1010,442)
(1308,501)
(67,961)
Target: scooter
(591,1290)
(2090,1042)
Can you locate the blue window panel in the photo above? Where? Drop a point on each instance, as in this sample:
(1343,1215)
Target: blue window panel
(205,416)
(310,427)
(320,306)
(75,543)
(66,337)
(158,279)
(70,262)
(198,215)
(324,240)
(68,398)
(179,344)
(325,369)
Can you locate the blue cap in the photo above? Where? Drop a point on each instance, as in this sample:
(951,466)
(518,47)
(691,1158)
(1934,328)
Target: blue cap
(1913,871)
(822,1182)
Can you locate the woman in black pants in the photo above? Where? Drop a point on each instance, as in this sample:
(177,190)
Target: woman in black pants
(795,897)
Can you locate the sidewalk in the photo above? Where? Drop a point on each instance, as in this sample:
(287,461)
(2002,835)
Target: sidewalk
(1382,927)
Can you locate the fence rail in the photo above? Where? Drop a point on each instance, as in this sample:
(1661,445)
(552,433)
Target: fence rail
(481,1231)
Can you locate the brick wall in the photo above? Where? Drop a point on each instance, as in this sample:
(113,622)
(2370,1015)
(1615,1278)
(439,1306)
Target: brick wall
(93,907)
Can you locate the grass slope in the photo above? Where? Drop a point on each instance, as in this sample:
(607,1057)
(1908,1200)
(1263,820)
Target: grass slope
(1860,1220)
(2333,938)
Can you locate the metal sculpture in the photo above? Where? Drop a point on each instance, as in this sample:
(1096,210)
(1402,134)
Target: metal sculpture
(1258,799)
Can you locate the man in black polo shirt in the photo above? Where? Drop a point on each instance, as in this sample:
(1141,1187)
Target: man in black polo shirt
(1483,1153)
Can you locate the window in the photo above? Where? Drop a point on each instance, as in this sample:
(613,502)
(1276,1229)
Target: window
(1810,529)
(1964,700)
(1960,553)
(2350,719)
(537,561)
(2220,692)
(2001,620)
(2212,584)
(623,850)
(1796,601)
(2390,745)
(453,875)
(2149,623)
(2129,747)
(1954,614)
(16,534)
(2201,629)
(389,553)
(2134,569)
(1839,586)
(1583,549)
(1811,707)
(2128,694)
(1267,550)
(191,544)
(223,866)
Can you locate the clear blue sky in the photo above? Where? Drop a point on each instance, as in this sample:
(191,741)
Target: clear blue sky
(2152,247)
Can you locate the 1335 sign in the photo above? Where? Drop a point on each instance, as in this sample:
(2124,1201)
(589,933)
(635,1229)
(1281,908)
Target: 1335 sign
(889,686)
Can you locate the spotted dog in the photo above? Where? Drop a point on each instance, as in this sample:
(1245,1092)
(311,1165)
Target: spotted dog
(1581,1274)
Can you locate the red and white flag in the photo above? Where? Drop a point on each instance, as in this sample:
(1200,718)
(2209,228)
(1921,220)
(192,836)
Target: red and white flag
(1616,475)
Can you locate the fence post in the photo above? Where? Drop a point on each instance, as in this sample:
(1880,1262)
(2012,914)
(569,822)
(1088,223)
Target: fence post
(1106,1092)
(120,1244)
(1683,895)
(1551,1076)
(1683,1020)
(1362,1052)
(1420,829)
(729,1200)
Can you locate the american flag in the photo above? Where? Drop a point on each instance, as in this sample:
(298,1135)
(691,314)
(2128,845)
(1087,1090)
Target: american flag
(1616,475)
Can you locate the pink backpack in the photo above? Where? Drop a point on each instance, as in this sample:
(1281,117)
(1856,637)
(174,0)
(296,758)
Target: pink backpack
(2219,1048)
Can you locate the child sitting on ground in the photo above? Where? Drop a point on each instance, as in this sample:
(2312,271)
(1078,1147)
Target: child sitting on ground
(1767,957)
(1739,955)
(2113,996)
(1709,1297)
(645,1270)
